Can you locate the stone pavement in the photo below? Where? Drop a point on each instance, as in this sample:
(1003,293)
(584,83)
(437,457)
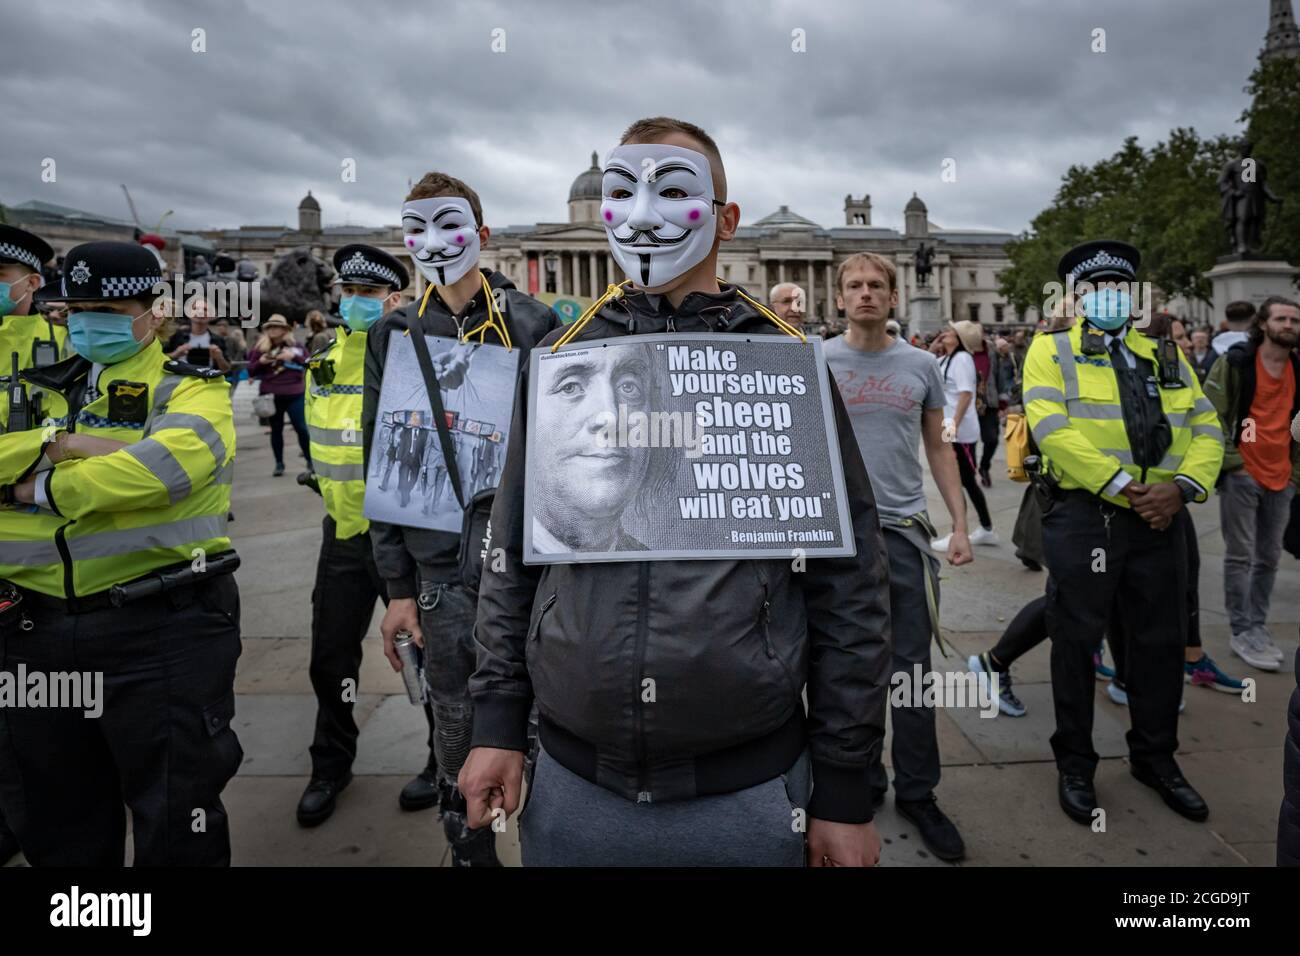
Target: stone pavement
(999,782)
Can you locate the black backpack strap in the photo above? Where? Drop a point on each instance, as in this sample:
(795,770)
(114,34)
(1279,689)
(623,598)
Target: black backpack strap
(439,413)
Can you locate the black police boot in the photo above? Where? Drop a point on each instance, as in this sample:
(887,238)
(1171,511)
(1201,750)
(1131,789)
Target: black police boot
(1078,797)
(1174,789)
(468,847)
(8,843)
(422,792)
(938,833)
(317,803)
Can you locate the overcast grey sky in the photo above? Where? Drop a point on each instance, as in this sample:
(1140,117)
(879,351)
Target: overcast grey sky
(886,90)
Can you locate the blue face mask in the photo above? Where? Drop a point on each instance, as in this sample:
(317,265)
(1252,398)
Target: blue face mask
(360,312)
(7,304)
(1107,309)
(103,337)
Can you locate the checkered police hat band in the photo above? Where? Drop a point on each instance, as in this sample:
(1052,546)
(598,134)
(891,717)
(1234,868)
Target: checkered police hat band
(120,287)
(359,265)
(18,253)
(123,286)
(1102,260)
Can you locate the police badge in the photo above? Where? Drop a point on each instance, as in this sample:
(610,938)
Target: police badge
(128,401)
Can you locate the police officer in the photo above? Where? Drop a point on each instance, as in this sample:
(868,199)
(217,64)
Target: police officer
(1126,439)
(26,340)
(347,584)
(115,566)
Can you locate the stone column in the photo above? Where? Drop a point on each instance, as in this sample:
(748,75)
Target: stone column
(575,274)
(906,276)
(830,292)
(595,280)
(780,271)
(810,300)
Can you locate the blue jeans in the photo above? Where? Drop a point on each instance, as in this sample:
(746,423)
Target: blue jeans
(447,613)
(1253,520)
(291,405)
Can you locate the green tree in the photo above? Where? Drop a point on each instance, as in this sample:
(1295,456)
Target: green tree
(1163,200)
(1273,122)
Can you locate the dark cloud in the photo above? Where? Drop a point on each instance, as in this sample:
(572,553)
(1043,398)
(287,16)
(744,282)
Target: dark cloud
(886,91)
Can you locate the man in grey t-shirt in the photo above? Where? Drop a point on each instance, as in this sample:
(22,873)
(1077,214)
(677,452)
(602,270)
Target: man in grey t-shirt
(894,396)
(885,393)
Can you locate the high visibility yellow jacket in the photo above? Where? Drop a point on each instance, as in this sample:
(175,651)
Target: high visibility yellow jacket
(1073,406)
(161,500)
(18,336)
(334,424)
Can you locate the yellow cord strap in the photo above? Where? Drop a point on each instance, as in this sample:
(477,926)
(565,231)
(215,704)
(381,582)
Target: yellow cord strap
(611,292)
(495,320)
(616,291)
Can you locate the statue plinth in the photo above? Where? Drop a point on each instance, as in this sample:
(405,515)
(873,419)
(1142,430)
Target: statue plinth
(1249,278)
(923,311)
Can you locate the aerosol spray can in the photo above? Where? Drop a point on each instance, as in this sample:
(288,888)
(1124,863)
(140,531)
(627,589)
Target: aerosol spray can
(409,653)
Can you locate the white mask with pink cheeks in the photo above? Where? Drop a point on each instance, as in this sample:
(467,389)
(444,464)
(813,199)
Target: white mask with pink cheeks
(658,210)
(441,236)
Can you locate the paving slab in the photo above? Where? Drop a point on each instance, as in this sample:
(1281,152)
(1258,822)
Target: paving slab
(367,828)
(276,731)
(1009,816)
(394,738)
(282,666)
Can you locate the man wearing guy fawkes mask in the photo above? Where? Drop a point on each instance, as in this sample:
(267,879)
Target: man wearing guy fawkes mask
(443,231)
(621,783)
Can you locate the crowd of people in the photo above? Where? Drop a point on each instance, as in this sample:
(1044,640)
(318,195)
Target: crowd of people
(773,675)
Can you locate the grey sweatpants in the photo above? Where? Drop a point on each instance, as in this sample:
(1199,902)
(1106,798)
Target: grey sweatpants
(568,821)
(1253,521)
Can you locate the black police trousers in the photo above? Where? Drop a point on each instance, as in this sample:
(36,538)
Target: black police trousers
(1108,566)
(161,743)
(342,604)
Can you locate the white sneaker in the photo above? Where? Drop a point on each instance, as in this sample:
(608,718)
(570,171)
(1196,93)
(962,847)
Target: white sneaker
(984,536)
(941,544)
(1247,647)
(1264,641)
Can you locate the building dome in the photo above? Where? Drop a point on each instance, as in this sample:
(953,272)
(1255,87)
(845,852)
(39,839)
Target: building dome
(309,202)
(587,185)
(914,205)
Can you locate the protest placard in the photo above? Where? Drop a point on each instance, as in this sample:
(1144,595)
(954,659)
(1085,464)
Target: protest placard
(408,482)
(680,446)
